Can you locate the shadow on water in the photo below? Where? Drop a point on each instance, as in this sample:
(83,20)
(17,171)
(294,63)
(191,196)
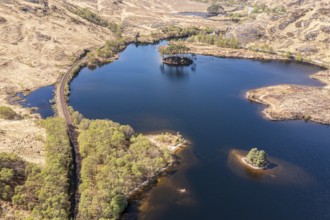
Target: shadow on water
(203,102)
(271,165)
(173,186)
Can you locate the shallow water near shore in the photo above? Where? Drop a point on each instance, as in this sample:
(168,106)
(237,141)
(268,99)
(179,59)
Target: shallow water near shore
(206,103)
(194,14)
(40,99)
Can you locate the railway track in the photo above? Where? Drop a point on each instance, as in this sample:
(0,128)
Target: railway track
(63,110)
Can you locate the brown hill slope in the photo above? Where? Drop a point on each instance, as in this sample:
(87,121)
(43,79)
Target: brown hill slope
(39,39)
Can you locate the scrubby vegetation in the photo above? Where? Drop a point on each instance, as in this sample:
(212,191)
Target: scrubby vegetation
(104,54)
(110,48)
(265,48)
(174,32)
(8,113)
(173,54)
(173,49)
(46,190)
(94,18)
(114,163)
(12,174)
(214,39)
(257,158)
(261,8)
(214,9)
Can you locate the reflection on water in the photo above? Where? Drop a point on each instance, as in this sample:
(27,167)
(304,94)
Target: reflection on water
(174,72)
(204,104)
(279,171)
(178,72)
(174,188)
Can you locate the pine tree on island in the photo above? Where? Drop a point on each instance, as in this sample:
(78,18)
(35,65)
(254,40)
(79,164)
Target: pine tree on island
(257,158)
(174,54)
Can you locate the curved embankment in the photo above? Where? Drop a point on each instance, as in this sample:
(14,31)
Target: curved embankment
(63,111)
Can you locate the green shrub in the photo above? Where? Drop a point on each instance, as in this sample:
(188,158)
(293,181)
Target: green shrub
(95,19)
(213,39)
(8,113)
(110,48)
(257,158)
(12,174)
(299,57)
(214,9)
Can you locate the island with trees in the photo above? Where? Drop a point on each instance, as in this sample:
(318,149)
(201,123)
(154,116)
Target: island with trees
(256,158)
(174,54)
(256,165)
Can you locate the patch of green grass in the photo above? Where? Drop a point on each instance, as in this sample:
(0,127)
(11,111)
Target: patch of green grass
(8,113)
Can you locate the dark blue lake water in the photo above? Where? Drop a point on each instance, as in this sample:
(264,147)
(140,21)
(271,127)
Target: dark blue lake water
(206,103)
(40,99)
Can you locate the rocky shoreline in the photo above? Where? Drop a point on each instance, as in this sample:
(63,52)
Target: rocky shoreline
(284,102)
(174,143)
(287,102)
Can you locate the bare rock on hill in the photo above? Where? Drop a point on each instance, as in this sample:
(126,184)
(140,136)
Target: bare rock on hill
(326,29)
(2,20)
(303,24)
(294,16)
(249,32)
(324,11)
(308,49)
(311,35)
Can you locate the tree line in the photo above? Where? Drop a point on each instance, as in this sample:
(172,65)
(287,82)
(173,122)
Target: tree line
(115,161)
(41,191)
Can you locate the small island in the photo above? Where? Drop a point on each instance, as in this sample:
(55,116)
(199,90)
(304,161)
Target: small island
(174,55)
(258,166)
(257,159)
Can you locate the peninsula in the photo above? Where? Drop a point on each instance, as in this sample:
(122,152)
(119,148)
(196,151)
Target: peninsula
(70,167)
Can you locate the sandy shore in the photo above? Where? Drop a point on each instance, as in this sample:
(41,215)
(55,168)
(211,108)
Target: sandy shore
(243,159)
(280,171)
(173,142)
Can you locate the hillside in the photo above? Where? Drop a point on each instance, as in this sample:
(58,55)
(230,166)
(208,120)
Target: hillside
(295,27)
(40,39)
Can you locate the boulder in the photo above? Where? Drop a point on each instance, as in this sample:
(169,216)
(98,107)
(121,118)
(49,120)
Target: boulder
(246,33)
(308,50)
(300,24)
(311,35)
(325,29)
(294,16)
(2,20)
